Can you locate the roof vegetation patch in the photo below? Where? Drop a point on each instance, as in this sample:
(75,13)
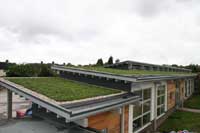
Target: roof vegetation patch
(61,89)
(129,72)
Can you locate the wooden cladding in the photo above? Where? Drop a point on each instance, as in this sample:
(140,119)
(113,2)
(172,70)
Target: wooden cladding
(108,120)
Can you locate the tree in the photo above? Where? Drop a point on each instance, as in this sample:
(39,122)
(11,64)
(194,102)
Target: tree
(174,65)
(117,61)
(53,63)
(30,70)
(7,61)
(99,62)
(69,64)
(110,60)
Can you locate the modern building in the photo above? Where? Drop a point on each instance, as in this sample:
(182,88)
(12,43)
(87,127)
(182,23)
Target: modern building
(146,66)
(143,100)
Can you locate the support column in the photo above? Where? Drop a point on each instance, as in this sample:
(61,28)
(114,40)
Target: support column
(122,119)
(155,108)
(9,104)
(34,109)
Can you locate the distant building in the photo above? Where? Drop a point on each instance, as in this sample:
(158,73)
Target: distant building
(2,73)
(146,66)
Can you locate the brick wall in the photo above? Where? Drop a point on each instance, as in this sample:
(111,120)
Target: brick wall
(108,120)
(171,89)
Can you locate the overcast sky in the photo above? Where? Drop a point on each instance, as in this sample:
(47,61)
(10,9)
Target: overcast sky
(81,31)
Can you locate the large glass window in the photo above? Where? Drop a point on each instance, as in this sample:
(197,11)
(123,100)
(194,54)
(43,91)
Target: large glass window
(141,113)
(160,100)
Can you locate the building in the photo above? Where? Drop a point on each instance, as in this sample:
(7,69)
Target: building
(143,101)
(146,66)
(2,73)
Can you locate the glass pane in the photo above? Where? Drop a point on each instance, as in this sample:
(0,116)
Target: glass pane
(158,100)
(146,119)
(162,109)
(146,106)
(161,90)
(137,111)
(158,112)
(139,93)
(137,124)
(147,94)
(162,100)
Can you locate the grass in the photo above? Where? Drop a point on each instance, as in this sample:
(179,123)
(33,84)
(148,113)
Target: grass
(182,121)
(61,89)
(193,102)
(131,72)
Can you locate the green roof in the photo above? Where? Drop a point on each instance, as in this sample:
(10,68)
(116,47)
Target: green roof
(62,89)
(130,72)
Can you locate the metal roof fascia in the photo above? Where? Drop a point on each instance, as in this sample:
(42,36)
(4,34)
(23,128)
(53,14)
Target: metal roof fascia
(83,115)
(164,78)
(98,74)
(107,104)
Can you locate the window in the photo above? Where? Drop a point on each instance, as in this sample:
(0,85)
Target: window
(137,111)
(146,106)
(146,118)
(141,113)
(161,100)
(137,124)
(147,94)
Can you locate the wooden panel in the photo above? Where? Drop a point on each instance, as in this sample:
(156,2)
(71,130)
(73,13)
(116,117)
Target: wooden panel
(108,120)
(171,89)
(126,119)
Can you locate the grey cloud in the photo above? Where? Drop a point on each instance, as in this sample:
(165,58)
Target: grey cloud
(81,31)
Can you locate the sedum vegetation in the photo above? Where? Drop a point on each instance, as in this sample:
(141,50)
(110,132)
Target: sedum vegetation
(130,72)
(61,89)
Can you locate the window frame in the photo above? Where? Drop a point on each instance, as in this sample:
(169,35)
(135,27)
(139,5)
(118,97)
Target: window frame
(163,105)
(143,113)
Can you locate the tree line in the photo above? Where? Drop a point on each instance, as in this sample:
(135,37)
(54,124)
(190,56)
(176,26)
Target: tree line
(109,62)
(44,70)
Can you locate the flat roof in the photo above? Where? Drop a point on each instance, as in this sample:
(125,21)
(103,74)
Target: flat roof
(132,73)
(124,75)
(62,90)
(76,109)
(148,64)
